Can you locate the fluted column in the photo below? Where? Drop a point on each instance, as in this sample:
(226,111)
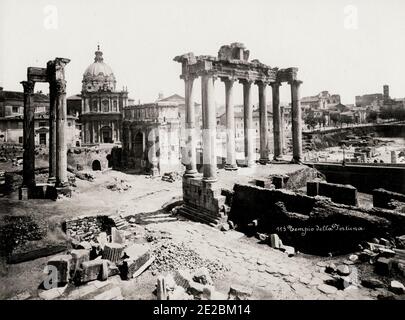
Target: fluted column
(52,133)
(264,132)
(277,132)
(61,148)
(191,156)
(296,121)
(29,136)
(209,128)
(153,149)
(230,125)
(248,123)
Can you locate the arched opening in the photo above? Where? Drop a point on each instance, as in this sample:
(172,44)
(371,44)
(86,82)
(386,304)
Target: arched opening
(109,159)
(139,145)
(106,134)
(96,165)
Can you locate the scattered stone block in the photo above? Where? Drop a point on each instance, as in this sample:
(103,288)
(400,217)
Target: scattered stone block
(196,289)
(135,256)
(202,276)
(354,258)
(327,289)
(400,242)
(386,253)
(274,241)
(117,236)
(397,287)
(238,292)
(113,251)
(78,257)
(62,264)
(343,270)
(179,293)
(161,292)
(53,293)
(183,278)
(372,283)
(383,266)
(91,270)
(290,251)
(84,245)
(102,239)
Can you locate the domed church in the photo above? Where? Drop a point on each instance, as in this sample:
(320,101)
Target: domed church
(102,104)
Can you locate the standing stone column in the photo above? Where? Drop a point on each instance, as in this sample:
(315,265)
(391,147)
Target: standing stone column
(191,156)
(282,132)
(52,133)
(61,148)
(264,132)
(209,128)
(277,124)
(296,121)
(230,126)
(29,137)
(153,150)
(248,123)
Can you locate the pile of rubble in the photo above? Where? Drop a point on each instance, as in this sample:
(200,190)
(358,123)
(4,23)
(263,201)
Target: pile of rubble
(275,242)
(118,185)
(171,256)
(84,228)
(185,284)
(171,176)
(98,260)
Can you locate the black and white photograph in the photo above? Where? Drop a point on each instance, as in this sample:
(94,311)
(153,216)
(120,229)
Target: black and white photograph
(214,151)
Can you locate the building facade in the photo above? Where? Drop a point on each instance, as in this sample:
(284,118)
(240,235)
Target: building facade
(102,104)
(322,101)
(151,138)
(12,115)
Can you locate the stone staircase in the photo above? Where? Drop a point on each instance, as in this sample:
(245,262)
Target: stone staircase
(120,223)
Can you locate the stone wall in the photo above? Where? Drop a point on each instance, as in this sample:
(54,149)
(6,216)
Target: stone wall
(339,193)
(82,158)
(311,224)
(365,178)
(382,198)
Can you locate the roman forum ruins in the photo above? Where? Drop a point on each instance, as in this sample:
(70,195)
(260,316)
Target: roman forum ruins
(202,200)
(230,66)
(54,74)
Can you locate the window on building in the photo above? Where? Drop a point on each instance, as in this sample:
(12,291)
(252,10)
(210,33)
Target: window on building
(15,109)
(69,124)
(42,124)
(115,106)
(20,139)
(42,139)
(105,105)
(94,105)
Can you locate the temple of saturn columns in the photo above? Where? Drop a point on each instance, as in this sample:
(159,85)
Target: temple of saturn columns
(232,65)
(54,74)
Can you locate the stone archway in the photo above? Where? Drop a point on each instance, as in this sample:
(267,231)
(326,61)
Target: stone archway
(96,165)
(106,134)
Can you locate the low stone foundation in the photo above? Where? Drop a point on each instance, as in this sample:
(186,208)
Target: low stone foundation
(203,201)
(382,198)
(311,224)
(339,193)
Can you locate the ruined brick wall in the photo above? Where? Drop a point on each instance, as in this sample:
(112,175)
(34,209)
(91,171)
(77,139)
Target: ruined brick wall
(85,228)
(339,193)
(313,225)
(82,158)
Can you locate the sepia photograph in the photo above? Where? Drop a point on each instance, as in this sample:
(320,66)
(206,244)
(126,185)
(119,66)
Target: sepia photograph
(219,152)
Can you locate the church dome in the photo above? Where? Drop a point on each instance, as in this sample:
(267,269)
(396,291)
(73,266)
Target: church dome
(98,75)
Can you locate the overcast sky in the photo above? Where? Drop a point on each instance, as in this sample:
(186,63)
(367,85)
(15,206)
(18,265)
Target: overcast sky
(346,47)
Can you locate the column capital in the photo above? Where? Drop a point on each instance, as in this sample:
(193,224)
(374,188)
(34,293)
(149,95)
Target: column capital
(276,84)
(28,86)
(262,82)
(246,81)
(188,76)
(295,82)
(60,86)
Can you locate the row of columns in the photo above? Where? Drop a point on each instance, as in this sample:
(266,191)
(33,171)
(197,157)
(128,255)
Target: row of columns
(209,124)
